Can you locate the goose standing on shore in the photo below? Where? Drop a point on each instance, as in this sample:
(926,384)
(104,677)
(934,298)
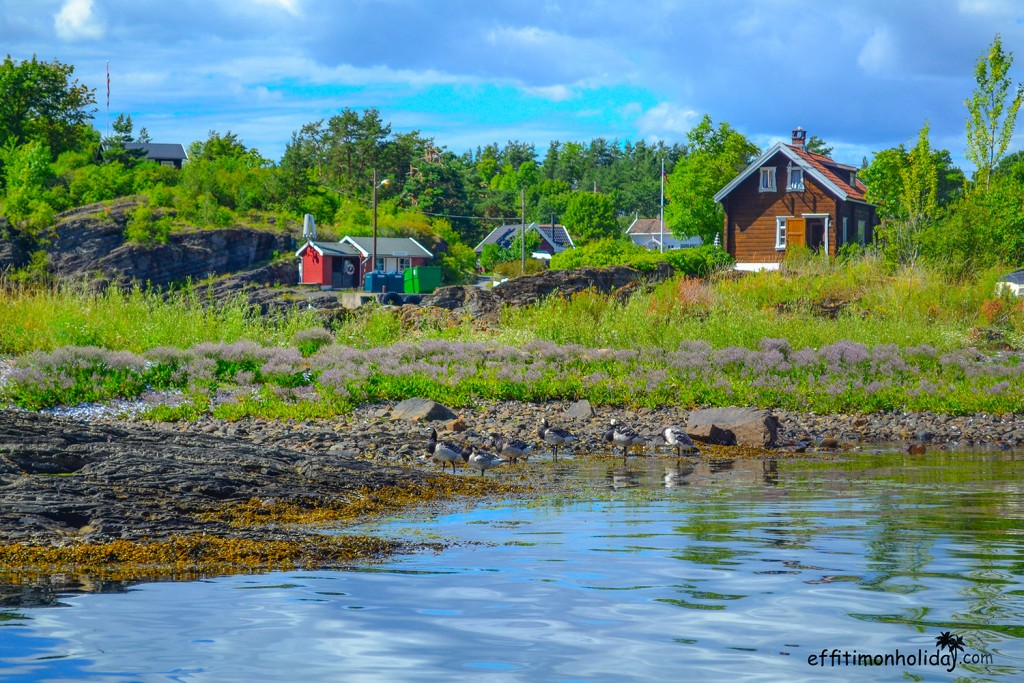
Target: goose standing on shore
(624,436)
(680,440)
(511,449)
(554,436)
(444,452)
(481,461)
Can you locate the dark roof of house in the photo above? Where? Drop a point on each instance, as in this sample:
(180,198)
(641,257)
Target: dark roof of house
(171,151)
(555,235)
(1014,278)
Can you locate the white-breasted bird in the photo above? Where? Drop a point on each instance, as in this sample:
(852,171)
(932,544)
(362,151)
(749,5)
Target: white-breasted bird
(554,436)
(624,436)
(511,449)
(680,440)
(444,452)
(481,461)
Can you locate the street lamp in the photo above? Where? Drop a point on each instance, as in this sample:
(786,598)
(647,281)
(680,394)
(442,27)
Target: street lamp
(375,186)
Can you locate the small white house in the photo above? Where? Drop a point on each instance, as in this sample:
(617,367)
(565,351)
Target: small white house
(1012,283)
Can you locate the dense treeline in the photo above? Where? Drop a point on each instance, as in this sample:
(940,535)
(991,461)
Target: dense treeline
(51,159)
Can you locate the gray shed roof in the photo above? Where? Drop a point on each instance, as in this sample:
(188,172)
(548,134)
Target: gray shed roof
(330,249)
(389,246)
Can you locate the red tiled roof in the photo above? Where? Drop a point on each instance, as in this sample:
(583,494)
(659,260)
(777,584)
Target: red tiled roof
(825,166)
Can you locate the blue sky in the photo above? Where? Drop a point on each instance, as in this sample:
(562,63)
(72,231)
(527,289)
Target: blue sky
(862,74)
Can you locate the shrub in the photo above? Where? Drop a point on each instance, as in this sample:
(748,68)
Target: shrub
(143,228)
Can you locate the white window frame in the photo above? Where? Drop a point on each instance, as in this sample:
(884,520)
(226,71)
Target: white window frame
(846,234)
(766,179)
(791,185)
(780,232)
(404,263)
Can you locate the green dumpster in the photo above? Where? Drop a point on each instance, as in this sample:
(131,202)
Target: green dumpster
(423,279)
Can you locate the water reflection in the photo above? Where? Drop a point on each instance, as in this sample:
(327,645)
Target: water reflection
(662,568)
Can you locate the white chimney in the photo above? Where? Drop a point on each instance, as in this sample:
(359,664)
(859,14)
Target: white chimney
(308,227)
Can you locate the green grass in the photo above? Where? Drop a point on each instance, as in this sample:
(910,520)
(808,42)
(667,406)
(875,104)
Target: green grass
(819,336)
(49,318)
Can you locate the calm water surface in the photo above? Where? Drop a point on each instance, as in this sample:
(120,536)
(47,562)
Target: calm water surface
(709,570)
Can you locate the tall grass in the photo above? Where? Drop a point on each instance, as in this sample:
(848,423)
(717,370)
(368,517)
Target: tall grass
(812,307)
(49,318)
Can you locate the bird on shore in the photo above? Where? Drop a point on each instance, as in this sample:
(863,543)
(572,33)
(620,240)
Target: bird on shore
(680,440)
(624,436)
(481,461)
(554,436)
(444,452)
(511,449)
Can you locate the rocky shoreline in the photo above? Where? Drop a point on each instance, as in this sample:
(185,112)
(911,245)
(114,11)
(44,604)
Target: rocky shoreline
(102,478)
(68,483)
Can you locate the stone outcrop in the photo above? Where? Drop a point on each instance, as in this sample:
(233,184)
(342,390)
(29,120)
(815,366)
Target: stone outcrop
(70,480)
(529,289)
(91,242)
(421,409)
(734,427)
(88,244)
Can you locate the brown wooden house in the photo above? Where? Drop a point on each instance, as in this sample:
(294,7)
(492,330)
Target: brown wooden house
(791,197)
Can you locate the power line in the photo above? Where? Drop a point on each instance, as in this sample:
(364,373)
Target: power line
(412,210)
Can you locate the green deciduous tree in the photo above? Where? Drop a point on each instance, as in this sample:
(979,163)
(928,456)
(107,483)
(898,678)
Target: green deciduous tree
(714,157)
(41,101)
(918,200)
(992,110)
(590,216)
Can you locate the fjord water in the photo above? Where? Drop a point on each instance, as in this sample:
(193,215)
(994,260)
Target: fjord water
(661,570)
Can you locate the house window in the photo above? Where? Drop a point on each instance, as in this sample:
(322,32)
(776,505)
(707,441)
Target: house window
(846,237)
(796,179)
(767,179)
(404,263)
(380,264)
(861,231)
(780,232)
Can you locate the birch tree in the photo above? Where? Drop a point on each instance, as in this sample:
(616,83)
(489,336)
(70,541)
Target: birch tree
(992,110)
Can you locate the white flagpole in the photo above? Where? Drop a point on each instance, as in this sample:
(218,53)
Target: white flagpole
(661,247)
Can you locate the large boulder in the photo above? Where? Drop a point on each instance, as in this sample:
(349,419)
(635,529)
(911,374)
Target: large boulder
(421,409)
(734,427)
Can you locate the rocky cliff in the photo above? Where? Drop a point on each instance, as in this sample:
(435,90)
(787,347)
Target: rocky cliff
(88,243)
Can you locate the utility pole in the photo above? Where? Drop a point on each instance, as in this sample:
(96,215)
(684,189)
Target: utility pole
(522,237)
(661,246)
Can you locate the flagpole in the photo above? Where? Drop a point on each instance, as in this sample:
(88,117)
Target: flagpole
(661,247)
(107,119)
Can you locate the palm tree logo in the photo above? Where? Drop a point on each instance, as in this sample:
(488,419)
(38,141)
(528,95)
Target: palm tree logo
(948,641)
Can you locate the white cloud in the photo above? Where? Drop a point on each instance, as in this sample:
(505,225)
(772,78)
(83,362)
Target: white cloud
(667,120)
(554,93)
(290,6)
(75,20)
(991,8)
(878,56)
